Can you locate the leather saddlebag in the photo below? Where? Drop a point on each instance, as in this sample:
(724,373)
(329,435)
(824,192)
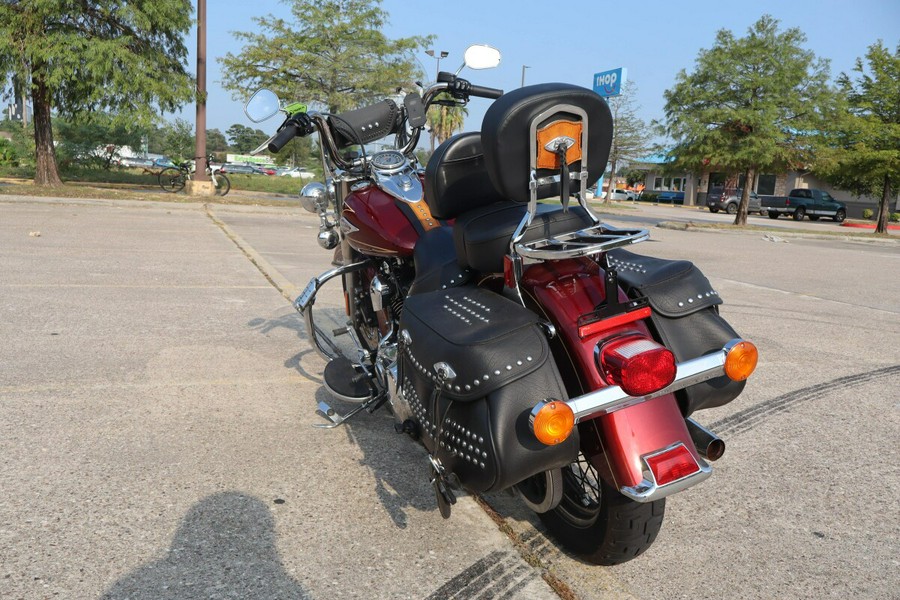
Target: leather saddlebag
(685,318)
(473,365)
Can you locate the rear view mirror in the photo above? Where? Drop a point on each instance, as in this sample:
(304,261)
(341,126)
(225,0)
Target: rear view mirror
(262,105)
(481,56)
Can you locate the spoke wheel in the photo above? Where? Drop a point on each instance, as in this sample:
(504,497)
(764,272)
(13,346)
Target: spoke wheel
(171,179)
(598,523)
(222,184)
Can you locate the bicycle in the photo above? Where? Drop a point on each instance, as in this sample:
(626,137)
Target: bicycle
(173,179)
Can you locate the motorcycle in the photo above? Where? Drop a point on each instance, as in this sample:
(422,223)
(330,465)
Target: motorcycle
(505,327)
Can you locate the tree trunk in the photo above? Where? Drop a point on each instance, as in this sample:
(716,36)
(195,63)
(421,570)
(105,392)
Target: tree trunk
(740,218)
(612,181)
(883,206)
(46,171)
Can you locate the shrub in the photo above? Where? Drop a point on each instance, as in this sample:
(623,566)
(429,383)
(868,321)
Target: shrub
(895,217)
(867,213)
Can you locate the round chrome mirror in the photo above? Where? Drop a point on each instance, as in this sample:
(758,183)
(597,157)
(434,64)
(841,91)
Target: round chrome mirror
(314,197)
(262,105)
(481,56)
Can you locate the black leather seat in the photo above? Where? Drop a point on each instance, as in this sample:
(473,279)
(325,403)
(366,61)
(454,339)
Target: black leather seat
(436,265)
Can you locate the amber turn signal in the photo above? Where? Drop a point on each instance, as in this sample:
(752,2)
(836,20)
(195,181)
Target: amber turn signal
(552,422)
(740,361)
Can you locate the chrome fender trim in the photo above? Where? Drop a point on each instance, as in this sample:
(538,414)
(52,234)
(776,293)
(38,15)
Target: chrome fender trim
(648,490)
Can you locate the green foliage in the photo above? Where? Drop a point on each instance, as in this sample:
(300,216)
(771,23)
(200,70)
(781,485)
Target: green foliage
(125,58)
(216,141)
(895,217)
(863,150)
(332,54)
(8,155)
(631,137)
(444,121)
(112,55)
(750,102)
(20,149)
(94,139)
(179,142)
(867,213)
(244,139)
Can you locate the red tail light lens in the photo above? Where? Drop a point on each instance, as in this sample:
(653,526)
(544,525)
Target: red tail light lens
(636,364)
(672,464)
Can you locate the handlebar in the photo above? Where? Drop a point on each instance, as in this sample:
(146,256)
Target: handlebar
(370,123)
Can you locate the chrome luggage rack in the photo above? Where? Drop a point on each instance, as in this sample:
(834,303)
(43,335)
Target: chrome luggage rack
(586,242)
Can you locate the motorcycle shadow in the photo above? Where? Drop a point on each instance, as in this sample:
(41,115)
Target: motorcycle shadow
(398,465)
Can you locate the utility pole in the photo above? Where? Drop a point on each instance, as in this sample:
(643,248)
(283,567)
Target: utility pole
(523,74)
(200,176)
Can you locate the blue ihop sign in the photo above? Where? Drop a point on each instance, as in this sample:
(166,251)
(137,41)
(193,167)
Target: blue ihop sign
(609,83)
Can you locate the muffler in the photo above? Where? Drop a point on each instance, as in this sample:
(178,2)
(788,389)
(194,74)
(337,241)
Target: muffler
(707,443)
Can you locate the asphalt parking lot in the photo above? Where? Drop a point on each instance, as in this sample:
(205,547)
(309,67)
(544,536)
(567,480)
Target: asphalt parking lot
(157,395)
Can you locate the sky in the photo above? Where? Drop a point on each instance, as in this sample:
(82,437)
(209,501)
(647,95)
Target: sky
(570,41)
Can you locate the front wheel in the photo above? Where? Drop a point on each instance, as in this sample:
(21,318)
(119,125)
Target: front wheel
(222,183)
(598,523)
(171,179)
(840,215)
(799,213)
(773,214)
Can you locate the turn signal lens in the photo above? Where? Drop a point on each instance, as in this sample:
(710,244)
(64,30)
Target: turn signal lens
(552,422)
(740,362)
(638,365)
(672,465)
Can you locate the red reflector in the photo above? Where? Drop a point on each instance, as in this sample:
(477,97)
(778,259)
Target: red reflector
(509,276)
(638,365)
(672,465)
(629,317)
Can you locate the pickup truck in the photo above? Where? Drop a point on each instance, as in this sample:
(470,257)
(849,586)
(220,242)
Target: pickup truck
(804,202)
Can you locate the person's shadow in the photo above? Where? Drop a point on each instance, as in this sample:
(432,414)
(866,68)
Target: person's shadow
(224,548)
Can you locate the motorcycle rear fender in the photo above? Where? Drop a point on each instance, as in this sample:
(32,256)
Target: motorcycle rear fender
(615,443)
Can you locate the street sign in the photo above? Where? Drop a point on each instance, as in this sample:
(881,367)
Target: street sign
(609,83)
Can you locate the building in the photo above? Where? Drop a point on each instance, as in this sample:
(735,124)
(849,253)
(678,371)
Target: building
(696,187)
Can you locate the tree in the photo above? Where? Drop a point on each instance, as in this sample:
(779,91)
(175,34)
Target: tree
(444,121)
(123,57)
(244,139)
(750,103)
(96,139)
(215,141)
(863,152)
(631,137)
(179,141)
(333,55)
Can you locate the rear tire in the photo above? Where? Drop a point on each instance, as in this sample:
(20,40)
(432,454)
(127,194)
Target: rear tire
(731,209)
(598,523)
(171,179)
(713,210)
(223,184)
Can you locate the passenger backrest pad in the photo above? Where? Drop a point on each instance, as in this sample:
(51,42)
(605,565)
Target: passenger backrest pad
(506,136)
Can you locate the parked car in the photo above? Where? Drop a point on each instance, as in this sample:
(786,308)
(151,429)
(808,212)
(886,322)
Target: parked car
(245,169)
(163,162)
(301,172)
(134,161)
(670,198)
(729,200)
(805,202)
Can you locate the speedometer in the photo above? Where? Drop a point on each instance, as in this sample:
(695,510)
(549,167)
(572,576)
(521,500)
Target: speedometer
(388,160)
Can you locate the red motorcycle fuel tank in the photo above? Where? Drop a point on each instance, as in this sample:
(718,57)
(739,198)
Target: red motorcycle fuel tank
(377,224)
(565,290)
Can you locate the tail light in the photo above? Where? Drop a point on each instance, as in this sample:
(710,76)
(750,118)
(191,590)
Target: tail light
(638,365)
(672,464)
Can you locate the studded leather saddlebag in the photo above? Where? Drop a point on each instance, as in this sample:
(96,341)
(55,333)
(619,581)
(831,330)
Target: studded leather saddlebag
(473,365)
(685,318)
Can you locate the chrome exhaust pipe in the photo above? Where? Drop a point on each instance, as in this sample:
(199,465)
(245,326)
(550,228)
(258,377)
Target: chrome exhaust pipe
(707,443)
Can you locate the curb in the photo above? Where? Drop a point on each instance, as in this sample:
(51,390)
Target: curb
(689,226)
